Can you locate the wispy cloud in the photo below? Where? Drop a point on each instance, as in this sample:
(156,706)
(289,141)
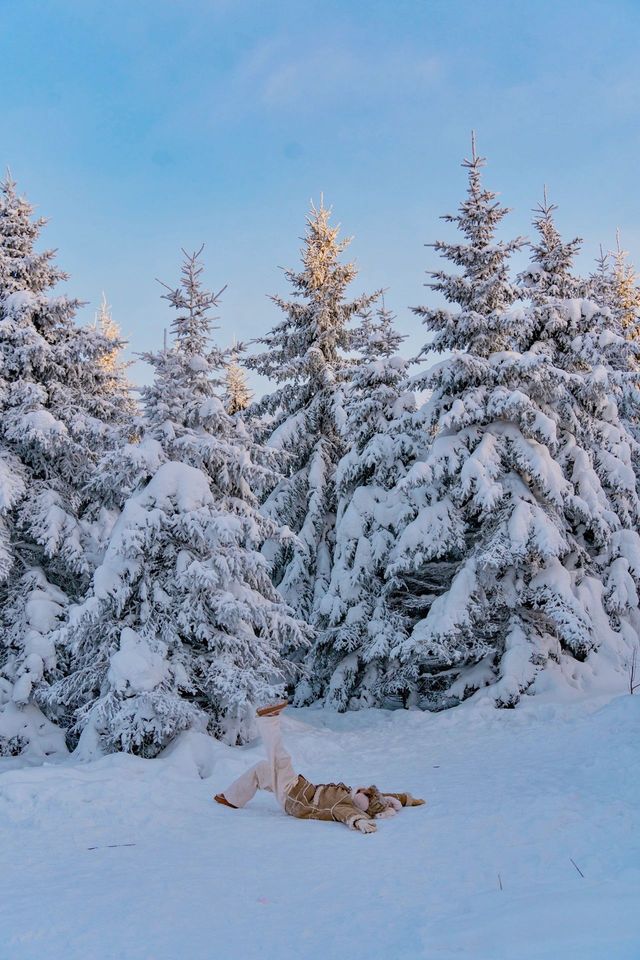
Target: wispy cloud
(319,76)
(322,75)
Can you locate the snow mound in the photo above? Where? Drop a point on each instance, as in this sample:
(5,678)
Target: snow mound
(195,754)
(26,728)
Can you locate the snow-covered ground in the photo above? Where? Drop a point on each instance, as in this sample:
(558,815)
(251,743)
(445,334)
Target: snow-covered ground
(528,848)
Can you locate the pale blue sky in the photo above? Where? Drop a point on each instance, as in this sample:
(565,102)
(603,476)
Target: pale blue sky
(140,126)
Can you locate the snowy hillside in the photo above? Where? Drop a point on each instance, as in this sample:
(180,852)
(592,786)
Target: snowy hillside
(528,848)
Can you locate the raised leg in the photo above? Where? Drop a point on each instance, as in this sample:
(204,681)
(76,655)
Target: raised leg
(283,776)
(275,774)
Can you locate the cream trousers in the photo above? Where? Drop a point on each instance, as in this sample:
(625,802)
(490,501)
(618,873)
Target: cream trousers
(275,774)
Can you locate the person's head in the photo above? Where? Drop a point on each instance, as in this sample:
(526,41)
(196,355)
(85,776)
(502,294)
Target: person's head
(374,803)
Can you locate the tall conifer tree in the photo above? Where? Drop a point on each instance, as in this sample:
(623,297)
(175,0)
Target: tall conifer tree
(237,393)
(182,627)
(306,354)
(358,620)
(518,508)
(626,294)
(600,283)
(59,411)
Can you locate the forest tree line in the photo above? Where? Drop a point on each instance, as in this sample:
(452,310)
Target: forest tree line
(376,530)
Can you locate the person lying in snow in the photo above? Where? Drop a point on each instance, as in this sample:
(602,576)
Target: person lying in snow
(357,808)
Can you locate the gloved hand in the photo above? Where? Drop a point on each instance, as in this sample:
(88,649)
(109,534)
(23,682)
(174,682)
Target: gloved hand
(414,801)
(365,826)
(386,813)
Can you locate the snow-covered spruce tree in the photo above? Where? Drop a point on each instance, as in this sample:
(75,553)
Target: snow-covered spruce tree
(439,554)
(587,329)
(548,283)
(116,382)
(517,508)
(625,293)
(237,395)
(115,458)
(185,408)
(611,286)
(110,329)
(306,354)
(600,282)
(57,415)
(624,305)
(589,355)
(358,625)
(548,274)
(182,627)
(577,337)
